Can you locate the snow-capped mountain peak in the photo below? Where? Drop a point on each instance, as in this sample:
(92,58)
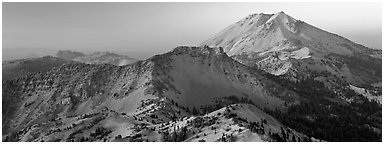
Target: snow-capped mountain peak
(262,32)
(282,18)
(278,43)
(256,32)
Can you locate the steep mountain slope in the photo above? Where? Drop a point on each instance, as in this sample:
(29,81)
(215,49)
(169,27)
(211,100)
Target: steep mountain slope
(20,68)
(82,102)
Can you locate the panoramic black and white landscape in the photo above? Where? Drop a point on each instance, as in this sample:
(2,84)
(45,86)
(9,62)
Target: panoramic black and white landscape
(191,72)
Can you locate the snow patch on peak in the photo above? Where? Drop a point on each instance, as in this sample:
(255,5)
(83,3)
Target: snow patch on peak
(283,20)
(366,93)
(282,17)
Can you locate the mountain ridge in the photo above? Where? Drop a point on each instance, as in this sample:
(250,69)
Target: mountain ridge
(170,86)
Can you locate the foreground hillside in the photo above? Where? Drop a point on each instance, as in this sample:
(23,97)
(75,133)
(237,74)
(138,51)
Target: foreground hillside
(187,94)
(84,102)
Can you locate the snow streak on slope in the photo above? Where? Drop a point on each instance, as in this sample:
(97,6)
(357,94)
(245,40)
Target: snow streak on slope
(367,94)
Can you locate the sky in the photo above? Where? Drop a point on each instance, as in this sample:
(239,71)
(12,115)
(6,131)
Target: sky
(141,30)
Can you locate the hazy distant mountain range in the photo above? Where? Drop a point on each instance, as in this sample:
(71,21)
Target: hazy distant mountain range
(268,77)
(97,58)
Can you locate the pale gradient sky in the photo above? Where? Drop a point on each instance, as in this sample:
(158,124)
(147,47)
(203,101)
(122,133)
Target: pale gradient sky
(159,27)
